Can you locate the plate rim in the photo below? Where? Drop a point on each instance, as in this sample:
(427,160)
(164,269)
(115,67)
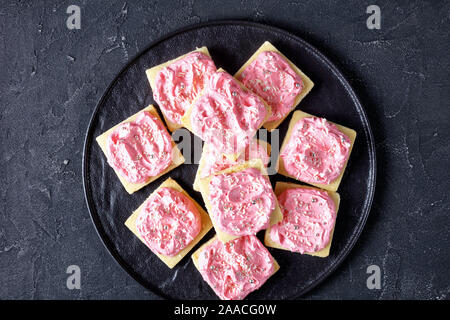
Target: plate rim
(370,141)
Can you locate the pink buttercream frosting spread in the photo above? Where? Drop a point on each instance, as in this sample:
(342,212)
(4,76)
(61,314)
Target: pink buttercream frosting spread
(308,220)
(316,151)
(235,268)
(227,116)
(214,162)
(179,83)
(168,222)
(241,202)
(140,149)
(271,77)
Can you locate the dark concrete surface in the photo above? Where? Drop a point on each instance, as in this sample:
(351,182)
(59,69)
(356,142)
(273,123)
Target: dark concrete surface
(52,77)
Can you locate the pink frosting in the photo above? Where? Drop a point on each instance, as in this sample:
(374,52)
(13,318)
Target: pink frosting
(308,220)
(241,202)
(236,268)
(179,83)
(139,149)
(271,77)
(227,116)
(316,151)
(168,222)
(214,163)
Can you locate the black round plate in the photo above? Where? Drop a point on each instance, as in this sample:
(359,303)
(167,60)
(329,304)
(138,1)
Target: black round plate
(230,43)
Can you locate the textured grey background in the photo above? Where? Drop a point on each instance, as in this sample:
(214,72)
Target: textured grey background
(52,77)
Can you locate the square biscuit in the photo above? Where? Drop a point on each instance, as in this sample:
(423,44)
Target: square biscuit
(177,157)
(297,116)
(196,254)
(276,215)
(307,82)
(187,116)
(153,71)
(280,187)
(206,225)
(201,163)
